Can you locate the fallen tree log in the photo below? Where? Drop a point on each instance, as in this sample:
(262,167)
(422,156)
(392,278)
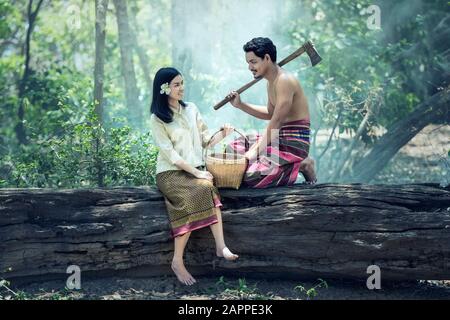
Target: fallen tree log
(327,230)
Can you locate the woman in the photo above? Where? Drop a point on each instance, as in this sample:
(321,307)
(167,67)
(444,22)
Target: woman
(191,199)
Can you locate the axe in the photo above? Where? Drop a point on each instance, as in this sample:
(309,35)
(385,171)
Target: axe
(307,47)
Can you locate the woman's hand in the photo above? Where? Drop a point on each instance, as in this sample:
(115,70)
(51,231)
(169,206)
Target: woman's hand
(203,175)
(251,155)
(227,129)
(235,99)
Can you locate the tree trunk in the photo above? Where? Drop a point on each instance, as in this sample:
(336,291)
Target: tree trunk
(433,110)
(328,231)
(32,15)
(143,58)
(126,54)
(101,7)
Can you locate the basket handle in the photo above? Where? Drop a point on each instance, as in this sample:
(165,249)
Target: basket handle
(247,143)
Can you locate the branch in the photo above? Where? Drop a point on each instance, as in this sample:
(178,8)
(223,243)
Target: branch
(362,126)
(332,132)
(433,110)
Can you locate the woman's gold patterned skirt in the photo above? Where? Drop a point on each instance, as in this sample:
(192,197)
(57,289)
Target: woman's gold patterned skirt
(190,201)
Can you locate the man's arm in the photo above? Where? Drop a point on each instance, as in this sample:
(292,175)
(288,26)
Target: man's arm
(260,112)
(285,95)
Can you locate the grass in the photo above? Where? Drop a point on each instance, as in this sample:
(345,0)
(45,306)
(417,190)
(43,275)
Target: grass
(6,293)
(312,292)
(240,291)
(225,289)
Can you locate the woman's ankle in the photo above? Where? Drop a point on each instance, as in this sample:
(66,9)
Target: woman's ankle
(177,260)
(220,247)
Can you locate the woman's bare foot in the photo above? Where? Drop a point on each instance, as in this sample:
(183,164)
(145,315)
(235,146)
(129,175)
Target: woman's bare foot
(182,274)
(307,169)
(227,254)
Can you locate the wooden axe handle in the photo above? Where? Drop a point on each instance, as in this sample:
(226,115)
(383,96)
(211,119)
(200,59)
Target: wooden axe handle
(291,57)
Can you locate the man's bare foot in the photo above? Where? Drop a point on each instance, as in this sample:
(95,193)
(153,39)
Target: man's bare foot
(307,169)
(182,274)
(227,254)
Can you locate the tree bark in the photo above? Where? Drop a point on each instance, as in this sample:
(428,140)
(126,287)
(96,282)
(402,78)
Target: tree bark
(328,231)
(101,7)
(128,72)
(433,110)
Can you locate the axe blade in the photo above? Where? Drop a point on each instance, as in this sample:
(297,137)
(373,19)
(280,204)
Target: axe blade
(312,53)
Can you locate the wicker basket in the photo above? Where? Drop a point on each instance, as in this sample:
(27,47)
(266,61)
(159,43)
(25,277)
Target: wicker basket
(227,169)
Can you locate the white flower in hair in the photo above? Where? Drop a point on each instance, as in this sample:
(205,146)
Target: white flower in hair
(165,88)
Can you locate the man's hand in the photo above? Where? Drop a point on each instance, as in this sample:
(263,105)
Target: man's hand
(235,99)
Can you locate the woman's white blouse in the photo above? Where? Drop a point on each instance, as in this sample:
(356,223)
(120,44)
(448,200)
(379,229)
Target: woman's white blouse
(183,138)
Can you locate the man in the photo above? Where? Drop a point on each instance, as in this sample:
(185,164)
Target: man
(276,157)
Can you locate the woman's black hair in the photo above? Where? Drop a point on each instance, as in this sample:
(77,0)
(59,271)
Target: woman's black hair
(160,101)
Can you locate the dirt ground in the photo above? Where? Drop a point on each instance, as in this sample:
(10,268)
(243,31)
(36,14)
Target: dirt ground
(167,287)
(424,159)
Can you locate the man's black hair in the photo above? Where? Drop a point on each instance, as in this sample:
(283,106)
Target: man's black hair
(262,46)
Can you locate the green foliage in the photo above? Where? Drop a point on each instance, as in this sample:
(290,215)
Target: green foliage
(358,60)
(6,293)
(85,155)
(240,291)
(312,292)
(9,17)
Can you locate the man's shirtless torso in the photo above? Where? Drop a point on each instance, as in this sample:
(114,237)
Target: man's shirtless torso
(296,110)
(299,108)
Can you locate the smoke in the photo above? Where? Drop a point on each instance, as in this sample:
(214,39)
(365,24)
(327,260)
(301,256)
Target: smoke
(216,33)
